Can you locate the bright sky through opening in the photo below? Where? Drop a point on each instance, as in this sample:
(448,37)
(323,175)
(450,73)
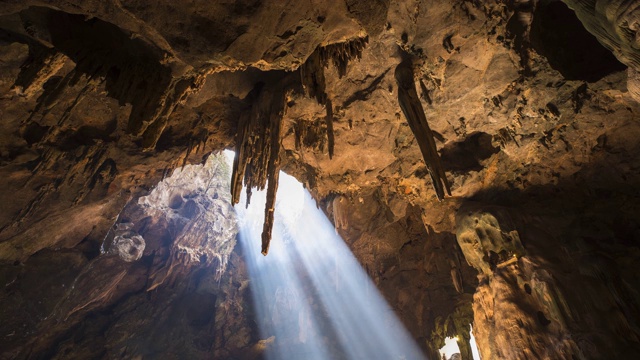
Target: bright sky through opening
(451,347)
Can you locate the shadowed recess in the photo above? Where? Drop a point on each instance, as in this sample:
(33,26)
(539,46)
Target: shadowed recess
(557,34)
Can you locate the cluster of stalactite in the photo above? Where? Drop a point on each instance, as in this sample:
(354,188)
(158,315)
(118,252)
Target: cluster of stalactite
(310,135)
(104,57)
(341,53)
(257,158)
(313,77)
(258,140)
(414,113)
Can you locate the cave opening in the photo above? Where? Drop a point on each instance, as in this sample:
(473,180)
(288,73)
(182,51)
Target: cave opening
(451,350)
(312,298)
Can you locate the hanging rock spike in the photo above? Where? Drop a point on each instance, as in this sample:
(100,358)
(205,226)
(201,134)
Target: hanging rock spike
(414,113)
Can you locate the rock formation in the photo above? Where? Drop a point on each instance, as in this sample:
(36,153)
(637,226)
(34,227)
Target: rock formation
(117,235)
(413,112)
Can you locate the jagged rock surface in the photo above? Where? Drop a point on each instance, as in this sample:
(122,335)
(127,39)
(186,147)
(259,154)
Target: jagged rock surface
(102,100)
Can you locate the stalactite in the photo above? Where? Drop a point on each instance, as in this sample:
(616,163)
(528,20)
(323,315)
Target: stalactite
(313,81)
(43,63)
(414,113)
(239,167)
(341,53)
(455,325)
(273,174)
(313,78)
(299,131)
(106,57)
(257,158)
(176,93)
(329,122)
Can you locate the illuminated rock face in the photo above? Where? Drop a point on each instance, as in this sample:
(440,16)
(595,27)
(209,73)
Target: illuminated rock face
(536,126)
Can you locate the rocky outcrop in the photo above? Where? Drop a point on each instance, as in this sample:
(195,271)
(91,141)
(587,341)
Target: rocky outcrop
(529,298)
(166,257)
(419,270)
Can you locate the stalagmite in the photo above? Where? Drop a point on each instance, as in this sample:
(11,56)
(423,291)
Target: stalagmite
(414,113)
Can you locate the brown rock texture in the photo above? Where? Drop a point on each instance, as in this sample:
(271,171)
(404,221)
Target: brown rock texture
(117,236)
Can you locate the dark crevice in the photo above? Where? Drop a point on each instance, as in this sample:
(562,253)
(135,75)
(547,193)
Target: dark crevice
(558,35)
(466,155)
(542,320)
(34,132)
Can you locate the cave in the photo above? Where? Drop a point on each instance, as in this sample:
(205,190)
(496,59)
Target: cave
(328,180)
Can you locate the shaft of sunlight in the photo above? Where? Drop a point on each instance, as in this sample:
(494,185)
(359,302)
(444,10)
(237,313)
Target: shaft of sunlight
(312,298)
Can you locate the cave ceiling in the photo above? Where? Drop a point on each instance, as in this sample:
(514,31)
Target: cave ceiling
(480,159)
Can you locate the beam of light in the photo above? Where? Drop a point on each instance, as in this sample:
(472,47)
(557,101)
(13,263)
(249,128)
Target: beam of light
(312,298)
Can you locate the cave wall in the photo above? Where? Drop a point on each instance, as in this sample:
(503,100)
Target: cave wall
(535,123)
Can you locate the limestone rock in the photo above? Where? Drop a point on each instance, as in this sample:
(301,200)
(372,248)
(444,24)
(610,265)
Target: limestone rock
(128,246)
(633,83)
(487,243)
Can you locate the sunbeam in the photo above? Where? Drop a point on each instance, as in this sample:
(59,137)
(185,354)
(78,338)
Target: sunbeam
(312,298)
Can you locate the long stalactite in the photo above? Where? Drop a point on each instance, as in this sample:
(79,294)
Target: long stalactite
(257,158)
(414,113)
